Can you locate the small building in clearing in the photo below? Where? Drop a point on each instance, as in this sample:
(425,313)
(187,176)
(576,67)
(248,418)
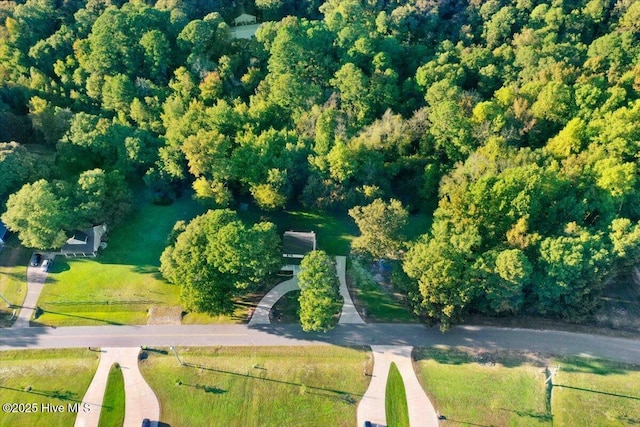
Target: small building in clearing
(296,244)
(84,243)
(244,19)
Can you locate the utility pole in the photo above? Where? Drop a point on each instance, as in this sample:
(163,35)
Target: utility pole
(552,373)
(176,354)
(9,305)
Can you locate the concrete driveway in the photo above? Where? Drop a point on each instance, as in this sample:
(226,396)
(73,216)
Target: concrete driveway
(35,282)
(140,400)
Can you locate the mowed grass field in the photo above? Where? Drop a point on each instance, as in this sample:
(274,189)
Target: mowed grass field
(267,386)
(487,391)
(508,390)
(54,377)
(590,392)
(123,282)
(13,277)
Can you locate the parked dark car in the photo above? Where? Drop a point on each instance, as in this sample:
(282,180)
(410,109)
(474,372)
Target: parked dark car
(146,422)
(35,260)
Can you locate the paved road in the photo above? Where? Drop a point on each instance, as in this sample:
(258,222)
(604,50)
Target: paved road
(487,338)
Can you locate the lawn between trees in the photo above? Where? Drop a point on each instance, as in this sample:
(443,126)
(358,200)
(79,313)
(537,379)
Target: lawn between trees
(44,377)
(123,282)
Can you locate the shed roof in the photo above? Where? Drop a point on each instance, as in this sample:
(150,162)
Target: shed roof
(296,244)
(244,18)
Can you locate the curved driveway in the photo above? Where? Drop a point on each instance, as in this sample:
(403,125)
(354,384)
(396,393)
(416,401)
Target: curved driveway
(372,406)
(482,337)
(140,400)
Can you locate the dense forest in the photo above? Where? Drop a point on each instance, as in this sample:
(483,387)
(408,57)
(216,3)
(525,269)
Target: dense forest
(515,123)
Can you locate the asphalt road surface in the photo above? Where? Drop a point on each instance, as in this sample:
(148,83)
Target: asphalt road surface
(480,337)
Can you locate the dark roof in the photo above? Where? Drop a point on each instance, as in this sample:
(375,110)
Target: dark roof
(78,237)
(93,236)
(298,242)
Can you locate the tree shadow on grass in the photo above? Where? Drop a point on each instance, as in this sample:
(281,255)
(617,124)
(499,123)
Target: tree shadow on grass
(108,322)
(205,388)
(540,416)
(593,366)
(462,356)
(58,266)
(65,395)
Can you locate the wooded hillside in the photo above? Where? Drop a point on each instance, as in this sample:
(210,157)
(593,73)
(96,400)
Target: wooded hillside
(516,123)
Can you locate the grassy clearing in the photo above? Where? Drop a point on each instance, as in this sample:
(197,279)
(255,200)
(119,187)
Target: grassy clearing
(372,299)
(396,406)
(54,377)
(112,413)
(123,282)
(498,389)
(13,277)
(595,392)
(266,386)
(334,232)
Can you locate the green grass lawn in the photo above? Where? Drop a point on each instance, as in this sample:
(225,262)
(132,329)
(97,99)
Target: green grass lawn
(54,377)
(503,391)
(112,413)
(334,232)
(123,282)
(13,277)
(396,406)
(597,393)
(378,303)
(268,386)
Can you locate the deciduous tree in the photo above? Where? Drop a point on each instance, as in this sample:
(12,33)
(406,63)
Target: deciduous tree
(217,257)
(319,292)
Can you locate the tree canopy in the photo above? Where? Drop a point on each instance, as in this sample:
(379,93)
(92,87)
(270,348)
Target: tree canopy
(513,123)
(217,257)
(320,300)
